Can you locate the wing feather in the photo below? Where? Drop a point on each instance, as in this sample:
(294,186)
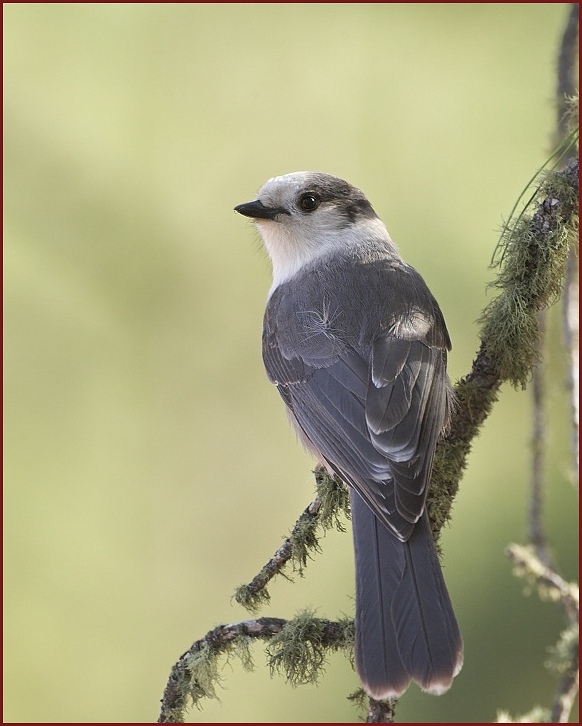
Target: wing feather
(372,409)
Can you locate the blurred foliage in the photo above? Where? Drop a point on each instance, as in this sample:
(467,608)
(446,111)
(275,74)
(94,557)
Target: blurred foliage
(149,467)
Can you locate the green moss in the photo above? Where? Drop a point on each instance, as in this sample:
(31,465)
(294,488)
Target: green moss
(300,650)
(534,250)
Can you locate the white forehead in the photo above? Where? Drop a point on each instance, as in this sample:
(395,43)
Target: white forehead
(287,185)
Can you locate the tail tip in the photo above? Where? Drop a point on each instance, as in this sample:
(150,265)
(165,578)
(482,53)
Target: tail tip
(385,691)
(440,684)
(436,686)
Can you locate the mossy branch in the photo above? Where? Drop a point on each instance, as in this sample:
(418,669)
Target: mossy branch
(535,251)
(530,278)
(567,81)
(297,648)
(533,562)
(564,656)
(549,584)
(300,650)
(323,513)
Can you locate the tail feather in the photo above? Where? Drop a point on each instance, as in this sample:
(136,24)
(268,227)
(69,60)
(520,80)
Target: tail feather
(377,658)
(405,624)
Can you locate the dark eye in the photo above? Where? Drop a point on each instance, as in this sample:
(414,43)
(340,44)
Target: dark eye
(308,202)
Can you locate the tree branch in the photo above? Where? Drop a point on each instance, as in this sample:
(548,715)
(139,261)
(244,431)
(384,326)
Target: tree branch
(571,343)
(566,693)
(567,119)
(297,648)
(532,267)
(381,711)
(567,66)
(549,583)
(535,524)
(565,658)
(324,511)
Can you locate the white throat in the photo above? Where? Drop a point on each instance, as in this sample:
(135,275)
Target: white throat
(290,253)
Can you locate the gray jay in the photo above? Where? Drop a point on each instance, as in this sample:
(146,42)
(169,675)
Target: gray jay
(357,347)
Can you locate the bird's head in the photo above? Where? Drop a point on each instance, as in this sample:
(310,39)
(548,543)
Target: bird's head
(307,215)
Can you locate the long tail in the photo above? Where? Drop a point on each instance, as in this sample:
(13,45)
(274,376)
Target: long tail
(405,624)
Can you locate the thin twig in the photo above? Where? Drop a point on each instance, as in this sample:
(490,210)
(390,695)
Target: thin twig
(568,685)
(548,581)
(567,66)
(323,512)
(552,586)
(566,90)
(566,693)
(571,342)
(535,523)
(254,593)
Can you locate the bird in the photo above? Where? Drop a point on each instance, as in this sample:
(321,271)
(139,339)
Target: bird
(357,347)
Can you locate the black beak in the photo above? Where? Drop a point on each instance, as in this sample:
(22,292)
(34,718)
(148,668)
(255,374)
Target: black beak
(257,210)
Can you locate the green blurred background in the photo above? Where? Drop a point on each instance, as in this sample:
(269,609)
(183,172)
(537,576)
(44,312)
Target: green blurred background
(149,465)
